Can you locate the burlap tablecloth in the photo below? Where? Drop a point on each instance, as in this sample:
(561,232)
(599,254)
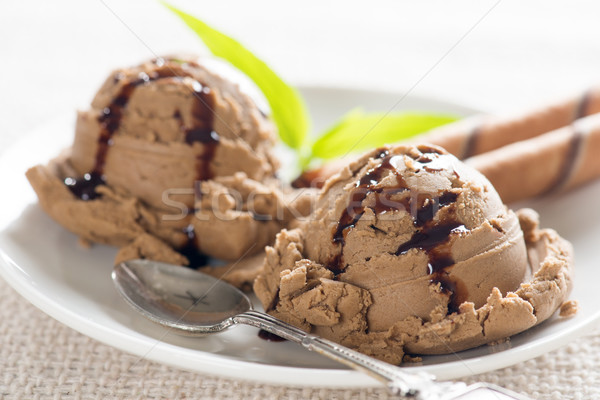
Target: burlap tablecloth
(41,358)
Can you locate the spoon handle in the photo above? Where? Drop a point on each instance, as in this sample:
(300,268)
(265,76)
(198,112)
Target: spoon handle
(398,381)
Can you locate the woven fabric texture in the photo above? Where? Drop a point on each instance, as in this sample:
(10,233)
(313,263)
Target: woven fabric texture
(41,358)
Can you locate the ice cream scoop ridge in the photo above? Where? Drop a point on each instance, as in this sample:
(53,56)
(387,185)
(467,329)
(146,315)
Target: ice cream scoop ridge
(409,249)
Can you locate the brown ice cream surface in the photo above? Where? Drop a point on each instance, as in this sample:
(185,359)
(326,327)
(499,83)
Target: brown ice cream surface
(160,142)
(410,250)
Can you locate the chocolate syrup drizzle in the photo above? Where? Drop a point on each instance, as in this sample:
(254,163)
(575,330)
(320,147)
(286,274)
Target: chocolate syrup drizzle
(110,120)
(434,239)
(190,249)
(365,186)
(200,130)
(432,236)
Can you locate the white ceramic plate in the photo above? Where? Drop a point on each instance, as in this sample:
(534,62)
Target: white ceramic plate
(43,262)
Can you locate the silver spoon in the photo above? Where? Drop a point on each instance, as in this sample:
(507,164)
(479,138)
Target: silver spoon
(196,304)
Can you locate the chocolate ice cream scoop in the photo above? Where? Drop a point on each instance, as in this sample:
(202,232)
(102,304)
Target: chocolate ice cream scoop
(407,241)
(157,138)
(168,123)
(409,216)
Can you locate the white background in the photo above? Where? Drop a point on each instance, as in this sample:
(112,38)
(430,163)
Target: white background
(55,54)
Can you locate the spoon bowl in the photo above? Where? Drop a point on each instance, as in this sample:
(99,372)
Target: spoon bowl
(193,303)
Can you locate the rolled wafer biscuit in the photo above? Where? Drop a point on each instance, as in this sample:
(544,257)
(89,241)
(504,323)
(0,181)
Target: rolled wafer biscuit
(482,133)
(552,162)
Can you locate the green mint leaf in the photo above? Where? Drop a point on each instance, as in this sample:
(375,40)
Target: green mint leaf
(358,130)
(287,106)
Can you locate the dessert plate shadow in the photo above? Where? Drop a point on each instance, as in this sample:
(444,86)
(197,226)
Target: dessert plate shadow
(44,263)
